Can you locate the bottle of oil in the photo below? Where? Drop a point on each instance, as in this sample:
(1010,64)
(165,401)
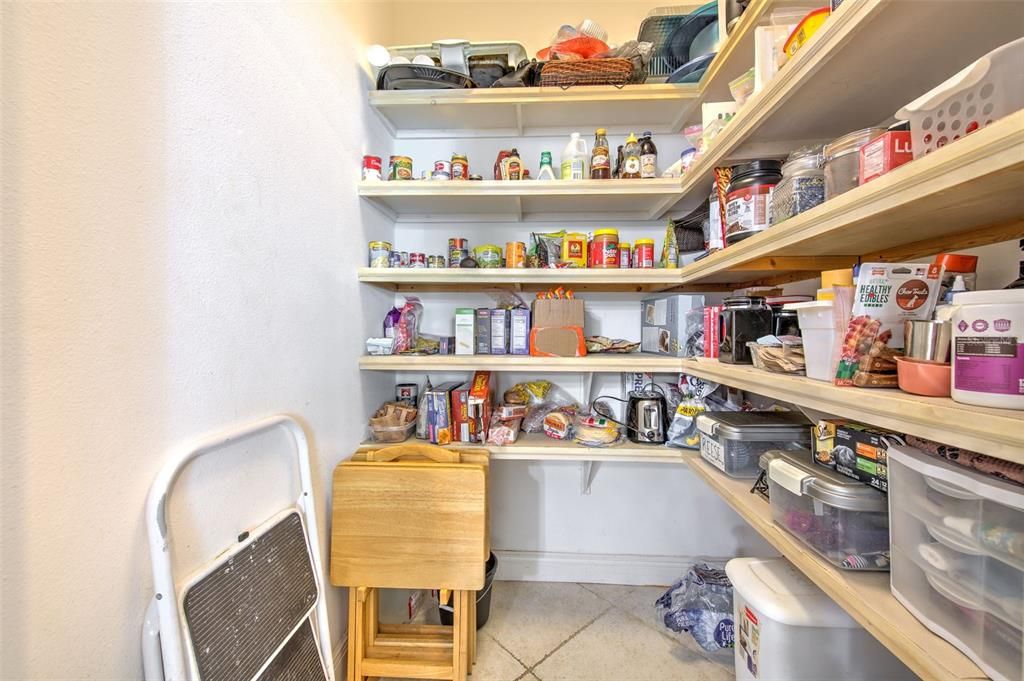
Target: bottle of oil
(631,158)
(618,164)
(648,157)
(600,161)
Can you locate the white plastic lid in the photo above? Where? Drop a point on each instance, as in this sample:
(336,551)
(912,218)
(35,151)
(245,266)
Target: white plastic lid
(809,305)
(781,593)
(998,296)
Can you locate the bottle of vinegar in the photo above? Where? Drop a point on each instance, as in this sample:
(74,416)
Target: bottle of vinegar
(600,160)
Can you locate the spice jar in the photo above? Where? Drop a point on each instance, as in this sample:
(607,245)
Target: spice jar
(625,255)
(842,160)
(802,186)
(604,248)
(643,254)
(749,198)
(742,319)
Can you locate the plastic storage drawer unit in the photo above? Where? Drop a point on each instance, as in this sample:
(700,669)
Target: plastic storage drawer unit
(733,441)
(842,519)
(958,557)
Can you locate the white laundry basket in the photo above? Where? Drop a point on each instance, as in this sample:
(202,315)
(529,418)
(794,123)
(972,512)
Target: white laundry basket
(987,90)
(787,628)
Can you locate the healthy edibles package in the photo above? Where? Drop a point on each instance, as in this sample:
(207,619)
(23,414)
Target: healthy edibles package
(887,294)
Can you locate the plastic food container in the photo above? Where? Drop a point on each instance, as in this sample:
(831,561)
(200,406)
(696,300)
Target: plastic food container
(842,160)
(801,188)
(392,433)
(780,615)
(742,87)
(988,347)
(958,556)
(819,336)
(842,519)
(807,27)
(985,91)
(604,249)
(733,441)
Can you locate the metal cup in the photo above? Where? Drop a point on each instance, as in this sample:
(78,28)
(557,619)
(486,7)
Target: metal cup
(926,340)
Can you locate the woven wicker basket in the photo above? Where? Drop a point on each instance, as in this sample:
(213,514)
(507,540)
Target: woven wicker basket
(617,72)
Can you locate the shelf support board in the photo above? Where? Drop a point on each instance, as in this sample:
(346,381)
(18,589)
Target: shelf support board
(983,236)
(588,469)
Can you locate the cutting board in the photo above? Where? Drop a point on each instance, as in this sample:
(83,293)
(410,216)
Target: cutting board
(409,524)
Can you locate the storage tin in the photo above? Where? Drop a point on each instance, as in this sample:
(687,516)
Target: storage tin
(380,254)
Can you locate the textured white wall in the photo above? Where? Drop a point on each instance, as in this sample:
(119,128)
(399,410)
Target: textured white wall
(180,235)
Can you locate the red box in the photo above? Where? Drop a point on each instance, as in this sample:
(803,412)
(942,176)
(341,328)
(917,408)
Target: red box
(711,332)
(884,153)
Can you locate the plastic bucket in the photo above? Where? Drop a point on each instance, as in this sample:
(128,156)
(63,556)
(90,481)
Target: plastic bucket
(483,598)
(819,337)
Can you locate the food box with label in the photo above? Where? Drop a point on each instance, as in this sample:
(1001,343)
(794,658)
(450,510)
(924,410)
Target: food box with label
(733,441)
(855,450)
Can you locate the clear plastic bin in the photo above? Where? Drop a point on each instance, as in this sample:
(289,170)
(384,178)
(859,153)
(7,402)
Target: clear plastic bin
(958,556)
(392,433)
(733,441)
(842,519)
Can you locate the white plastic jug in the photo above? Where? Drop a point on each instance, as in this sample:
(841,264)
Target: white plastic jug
(575,159)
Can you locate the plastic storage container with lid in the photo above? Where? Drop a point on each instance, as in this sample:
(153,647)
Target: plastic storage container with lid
(604,249)
(958,556)
(748,200)
(819,334)
(802,186)
(733,441)
(842,519)
(788,628)
(988,348)
(842,160)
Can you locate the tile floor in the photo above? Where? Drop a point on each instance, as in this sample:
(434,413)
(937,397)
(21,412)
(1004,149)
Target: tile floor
(541,631)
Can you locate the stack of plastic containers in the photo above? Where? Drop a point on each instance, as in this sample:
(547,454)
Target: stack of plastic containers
(958,557)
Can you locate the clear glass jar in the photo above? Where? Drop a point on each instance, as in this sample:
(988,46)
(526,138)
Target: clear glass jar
(802,186)
(842,160)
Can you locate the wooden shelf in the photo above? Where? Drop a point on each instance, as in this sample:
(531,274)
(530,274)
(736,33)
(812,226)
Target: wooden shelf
(539,447)
(518,112)
(605,363)
(864,595)
(963,195)
(469,280)
(996,432)
(527,200)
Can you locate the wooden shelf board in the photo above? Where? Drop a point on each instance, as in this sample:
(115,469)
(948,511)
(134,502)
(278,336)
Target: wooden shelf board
(996,432)
(966,187)
(864,595)
(539,447)
(455,279)
(505,112)
(604,363)
(528,200)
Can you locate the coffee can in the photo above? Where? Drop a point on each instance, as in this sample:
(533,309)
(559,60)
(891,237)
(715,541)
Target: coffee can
(407,393)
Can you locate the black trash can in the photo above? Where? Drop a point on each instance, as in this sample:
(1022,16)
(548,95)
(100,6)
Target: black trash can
(483,597)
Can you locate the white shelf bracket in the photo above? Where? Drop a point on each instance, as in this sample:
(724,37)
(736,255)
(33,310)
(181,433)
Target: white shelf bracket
(588,388)
(588,469)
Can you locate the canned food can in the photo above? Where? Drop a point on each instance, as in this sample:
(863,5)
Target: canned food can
(408,393)
(487,255)
(515,254)
(456,244)
(435,261)
(456,256)
(643,254)
(380,254)
(443,167)
(442,260)
(405,258)
(371,168)
(460,167)
(400,168)
(396,259)
(417,260)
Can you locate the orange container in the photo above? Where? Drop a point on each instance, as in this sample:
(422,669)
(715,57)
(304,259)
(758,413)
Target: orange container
(923,378)
(807,27)
(515,254)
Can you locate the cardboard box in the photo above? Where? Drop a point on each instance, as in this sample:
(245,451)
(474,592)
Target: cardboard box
(462,425)
(711,331)
(883,154)
(480,404)
(499,331)
(557,328)
(465,331)
(663,325)
(855,450)
(483,331)
(519,335)
(439,413)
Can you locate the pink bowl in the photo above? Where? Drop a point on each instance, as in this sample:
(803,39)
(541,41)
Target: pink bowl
(923,378)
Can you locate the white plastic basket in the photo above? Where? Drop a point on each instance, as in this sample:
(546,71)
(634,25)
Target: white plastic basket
(987,90)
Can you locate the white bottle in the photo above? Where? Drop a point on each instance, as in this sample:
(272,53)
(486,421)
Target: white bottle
(575,159)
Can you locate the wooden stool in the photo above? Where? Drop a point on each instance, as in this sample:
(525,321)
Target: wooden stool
(410,517)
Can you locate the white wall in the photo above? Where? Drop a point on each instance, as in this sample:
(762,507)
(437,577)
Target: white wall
(180,236)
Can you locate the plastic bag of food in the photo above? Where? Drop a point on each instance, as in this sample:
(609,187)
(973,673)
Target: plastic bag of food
(390,320)
(701,604)
(503,432)
(527,392)
(554,399)
(596,431)
(546,249)
(558,424)
(682,431)
(408,327)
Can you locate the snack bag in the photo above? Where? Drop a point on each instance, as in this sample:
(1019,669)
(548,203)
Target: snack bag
(407,328)
(887,294)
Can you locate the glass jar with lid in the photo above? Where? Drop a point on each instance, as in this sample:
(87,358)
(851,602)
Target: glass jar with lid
(842,160)
(802,186)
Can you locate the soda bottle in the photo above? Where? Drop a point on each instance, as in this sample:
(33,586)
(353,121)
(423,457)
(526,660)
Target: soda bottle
(600,162)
